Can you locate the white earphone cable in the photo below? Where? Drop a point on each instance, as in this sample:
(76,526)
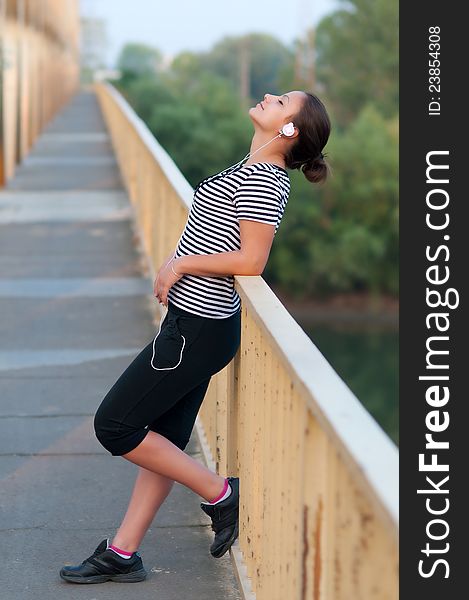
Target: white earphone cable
(249,154)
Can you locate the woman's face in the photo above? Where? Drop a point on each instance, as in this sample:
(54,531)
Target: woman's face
(273,112)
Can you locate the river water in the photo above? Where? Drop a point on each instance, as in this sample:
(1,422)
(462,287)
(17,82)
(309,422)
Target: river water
(367,359)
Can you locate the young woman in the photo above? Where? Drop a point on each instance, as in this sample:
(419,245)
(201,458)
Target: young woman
(149,413)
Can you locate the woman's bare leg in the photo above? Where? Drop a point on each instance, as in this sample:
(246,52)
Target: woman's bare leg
(150,491)
(156,453)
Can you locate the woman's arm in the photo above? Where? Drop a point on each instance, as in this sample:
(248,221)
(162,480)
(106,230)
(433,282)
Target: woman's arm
(214,265)
(256,241)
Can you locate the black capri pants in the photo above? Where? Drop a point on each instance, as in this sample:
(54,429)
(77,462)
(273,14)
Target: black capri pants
(166,397)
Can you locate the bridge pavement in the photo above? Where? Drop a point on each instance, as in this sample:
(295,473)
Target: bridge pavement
(75,306)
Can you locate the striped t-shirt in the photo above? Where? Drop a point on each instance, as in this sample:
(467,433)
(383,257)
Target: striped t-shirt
(257,192)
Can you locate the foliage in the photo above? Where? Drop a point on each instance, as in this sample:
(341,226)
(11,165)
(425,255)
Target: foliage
(358,55)
(267,58)
(137,60)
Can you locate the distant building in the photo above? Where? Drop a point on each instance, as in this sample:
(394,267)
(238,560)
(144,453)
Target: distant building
(166,61)
(94,46)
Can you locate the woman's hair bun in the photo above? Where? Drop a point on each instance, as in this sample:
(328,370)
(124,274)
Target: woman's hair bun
(315,169)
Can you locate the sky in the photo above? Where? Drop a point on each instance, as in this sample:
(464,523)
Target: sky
(196,25)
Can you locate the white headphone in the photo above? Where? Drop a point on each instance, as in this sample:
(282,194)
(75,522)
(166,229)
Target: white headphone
(288,130)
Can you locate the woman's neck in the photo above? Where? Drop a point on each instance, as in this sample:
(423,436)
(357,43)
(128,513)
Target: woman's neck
(264,155)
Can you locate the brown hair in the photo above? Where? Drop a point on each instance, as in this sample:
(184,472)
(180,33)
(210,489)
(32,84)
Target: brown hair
(314,127)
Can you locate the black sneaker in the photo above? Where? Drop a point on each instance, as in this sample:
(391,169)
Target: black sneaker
(104,565)
(225,520)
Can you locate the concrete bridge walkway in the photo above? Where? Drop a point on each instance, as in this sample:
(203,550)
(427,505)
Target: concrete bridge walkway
(75,308)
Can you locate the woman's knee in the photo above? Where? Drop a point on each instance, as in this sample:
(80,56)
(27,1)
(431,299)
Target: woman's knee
(107,431)
(115,436)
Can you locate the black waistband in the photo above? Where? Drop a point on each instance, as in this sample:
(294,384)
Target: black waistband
(179,311)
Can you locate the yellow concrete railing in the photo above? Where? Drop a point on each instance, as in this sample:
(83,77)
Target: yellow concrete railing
(318,476)
(39,71)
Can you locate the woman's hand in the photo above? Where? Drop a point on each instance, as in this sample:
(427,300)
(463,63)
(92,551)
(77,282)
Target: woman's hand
(165,279)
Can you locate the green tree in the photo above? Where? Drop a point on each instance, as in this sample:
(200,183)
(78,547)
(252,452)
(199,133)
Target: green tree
(136,60)
(147,92)
(358,57)
(267,57)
